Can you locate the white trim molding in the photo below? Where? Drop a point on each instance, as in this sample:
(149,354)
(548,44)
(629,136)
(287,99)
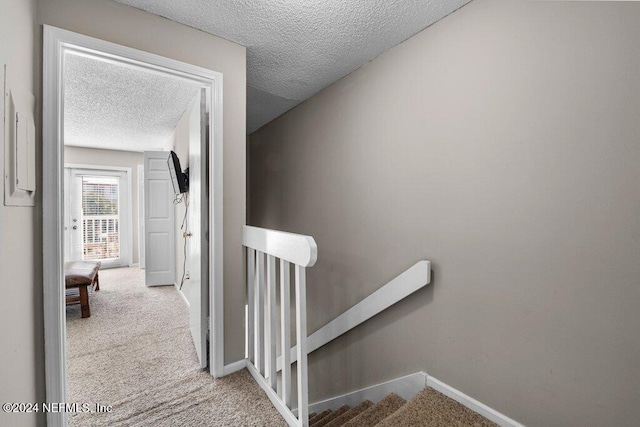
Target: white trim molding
(52,205)
(408,282)
(471,403)
(235,366)
(406,387)
(182,295)
(100,167)
(295,248)
(56,42)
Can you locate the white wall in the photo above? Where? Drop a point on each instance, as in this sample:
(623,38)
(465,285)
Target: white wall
(503,144)
(21,359)
(128,159)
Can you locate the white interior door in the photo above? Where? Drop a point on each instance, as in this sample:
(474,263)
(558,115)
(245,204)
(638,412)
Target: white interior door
(158,220)
(197,220)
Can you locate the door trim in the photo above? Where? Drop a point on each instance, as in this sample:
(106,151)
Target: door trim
(140,213)
(56,42)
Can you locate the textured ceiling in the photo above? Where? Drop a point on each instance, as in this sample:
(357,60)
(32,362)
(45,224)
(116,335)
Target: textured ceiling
(295,48)
(108,105)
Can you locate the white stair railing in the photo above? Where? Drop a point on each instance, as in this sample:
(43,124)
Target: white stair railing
(410,281)
(302,252)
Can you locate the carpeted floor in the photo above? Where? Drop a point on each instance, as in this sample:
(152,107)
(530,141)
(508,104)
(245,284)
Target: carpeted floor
(135,353)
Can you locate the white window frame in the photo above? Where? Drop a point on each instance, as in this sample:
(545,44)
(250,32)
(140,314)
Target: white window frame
(126,218)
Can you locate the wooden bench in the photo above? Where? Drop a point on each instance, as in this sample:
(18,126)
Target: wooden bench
(81,275)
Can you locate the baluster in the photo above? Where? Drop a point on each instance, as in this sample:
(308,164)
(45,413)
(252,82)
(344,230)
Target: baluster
(272,321)
(260,313)
(301,335)
(285,308)
(251,287)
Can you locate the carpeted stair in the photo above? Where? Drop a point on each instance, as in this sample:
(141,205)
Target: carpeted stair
(330,417)
(428,408)
(350,414)
(377,412)
(318,417)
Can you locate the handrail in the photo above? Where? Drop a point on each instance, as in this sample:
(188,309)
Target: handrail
(295,248)
(397,289)
(302,252)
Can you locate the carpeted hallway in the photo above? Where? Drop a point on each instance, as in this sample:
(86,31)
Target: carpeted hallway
(135,353)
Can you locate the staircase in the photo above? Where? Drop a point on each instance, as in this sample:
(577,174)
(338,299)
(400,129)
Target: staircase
(271,256)
(427,408)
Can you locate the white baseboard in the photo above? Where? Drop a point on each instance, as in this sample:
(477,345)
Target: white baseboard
(405,387)
(184,297)
(136,264)
(234,367)
(482,409)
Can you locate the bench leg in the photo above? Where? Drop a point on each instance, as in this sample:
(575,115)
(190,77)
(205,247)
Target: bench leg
(84,301)
(97,281)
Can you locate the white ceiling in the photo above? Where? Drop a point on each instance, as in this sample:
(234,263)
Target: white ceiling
(296,48)
(118,107)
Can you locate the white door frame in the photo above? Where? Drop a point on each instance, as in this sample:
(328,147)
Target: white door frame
(126,219)
(140,213)
(56,42)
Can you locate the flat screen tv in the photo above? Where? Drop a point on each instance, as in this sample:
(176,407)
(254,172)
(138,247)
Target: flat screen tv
(179,179)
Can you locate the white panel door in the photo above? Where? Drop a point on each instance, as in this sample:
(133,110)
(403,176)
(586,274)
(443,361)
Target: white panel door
(159,220)
(197,220)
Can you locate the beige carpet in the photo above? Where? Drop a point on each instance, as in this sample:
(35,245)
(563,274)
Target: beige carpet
(378,412)
(135,353)
(434,409)
(428,408)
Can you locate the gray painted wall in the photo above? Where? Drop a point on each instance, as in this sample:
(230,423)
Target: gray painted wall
(502,144)
(126,159)
(21,334)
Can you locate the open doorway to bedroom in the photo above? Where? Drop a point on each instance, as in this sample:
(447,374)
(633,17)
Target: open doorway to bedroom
(129,246)
(119,118)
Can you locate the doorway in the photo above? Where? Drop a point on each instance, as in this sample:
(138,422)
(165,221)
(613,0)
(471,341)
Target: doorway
(57,43)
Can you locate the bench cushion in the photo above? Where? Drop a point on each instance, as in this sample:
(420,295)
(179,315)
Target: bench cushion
(77,273)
